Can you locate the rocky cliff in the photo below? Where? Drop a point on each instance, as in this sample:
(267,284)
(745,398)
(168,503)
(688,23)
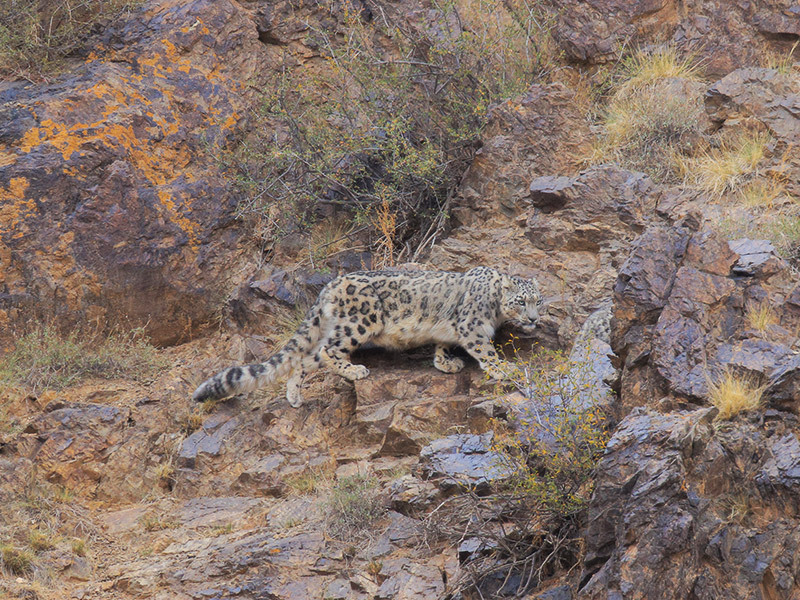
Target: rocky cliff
(118,211)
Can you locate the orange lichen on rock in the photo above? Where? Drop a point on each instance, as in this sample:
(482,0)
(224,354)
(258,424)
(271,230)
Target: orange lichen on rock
(64,272)
(186,224)
(14,207)
(7,158)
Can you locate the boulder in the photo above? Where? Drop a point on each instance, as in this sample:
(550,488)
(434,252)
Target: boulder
(680,316)
(464,460)
(682,508)
(114,206)
(70,443)
(722,36)
(537,133)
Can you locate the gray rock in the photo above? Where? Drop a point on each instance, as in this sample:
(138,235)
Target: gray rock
(756,258)
(561,592)
(338,589)
(464,460)
(413,581)
(783,390)
(668,505)
(207,440)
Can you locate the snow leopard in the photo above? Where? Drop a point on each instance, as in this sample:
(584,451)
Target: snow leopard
(394,310)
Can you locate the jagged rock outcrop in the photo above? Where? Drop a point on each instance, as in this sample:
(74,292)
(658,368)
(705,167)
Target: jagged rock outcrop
(725,35)
(684,508)
(115,209)
(557,228)
(680,317)
(770,97)
(541,132)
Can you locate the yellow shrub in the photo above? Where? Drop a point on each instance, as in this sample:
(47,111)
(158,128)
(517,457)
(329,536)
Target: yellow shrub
(733,394)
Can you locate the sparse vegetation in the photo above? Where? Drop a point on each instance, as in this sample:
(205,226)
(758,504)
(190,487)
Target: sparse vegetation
(555,433)
(782,228)
(732,394)
(222,529)
(326,239)
(16,560)
(728,166)
(307,482)
(165,472)
(762,193)
(385,124)
(549,446)
(646,123)
(35,36)
(736,507)
(353,507)
(760,316)
(79,546)
(39,540)
(154,522)
(641,68)
(44,358)
(783,63)
(190,422)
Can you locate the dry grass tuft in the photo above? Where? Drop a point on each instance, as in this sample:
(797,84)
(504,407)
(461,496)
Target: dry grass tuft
(79,546)
(762,193)
(760,316)
(723,169)
(733,394)
(646,122)
(327,239)
(19,562)
(39,540)
(287,324)
(309,481)
(645,68)
(783,63)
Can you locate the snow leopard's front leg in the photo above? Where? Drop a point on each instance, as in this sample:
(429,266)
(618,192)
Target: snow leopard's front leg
(444,360)
(480,347)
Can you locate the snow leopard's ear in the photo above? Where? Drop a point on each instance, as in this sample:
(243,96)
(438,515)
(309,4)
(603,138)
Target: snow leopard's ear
(509,284)
(520,282)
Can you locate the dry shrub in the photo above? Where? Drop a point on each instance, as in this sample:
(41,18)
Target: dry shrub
(645,124)
(728,166)
(36,35)
(386,121)
(733,394)
(46,358)
(525,530)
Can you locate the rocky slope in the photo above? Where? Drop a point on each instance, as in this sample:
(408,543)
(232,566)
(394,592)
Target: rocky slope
(116,211)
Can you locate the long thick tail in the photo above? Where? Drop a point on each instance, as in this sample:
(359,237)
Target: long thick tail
(239,380)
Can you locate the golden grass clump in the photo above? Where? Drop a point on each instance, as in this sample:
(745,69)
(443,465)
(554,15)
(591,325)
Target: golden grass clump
(733,394)
(648,119)
(760,316)
(645,68)
(762,193)
(723,169)
(19,562)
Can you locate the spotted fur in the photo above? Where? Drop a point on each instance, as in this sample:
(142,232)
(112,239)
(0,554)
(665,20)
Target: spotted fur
(393,309)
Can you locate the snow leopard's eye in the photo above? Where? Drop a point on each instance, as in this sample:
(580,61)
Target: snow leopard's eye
(521,301)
